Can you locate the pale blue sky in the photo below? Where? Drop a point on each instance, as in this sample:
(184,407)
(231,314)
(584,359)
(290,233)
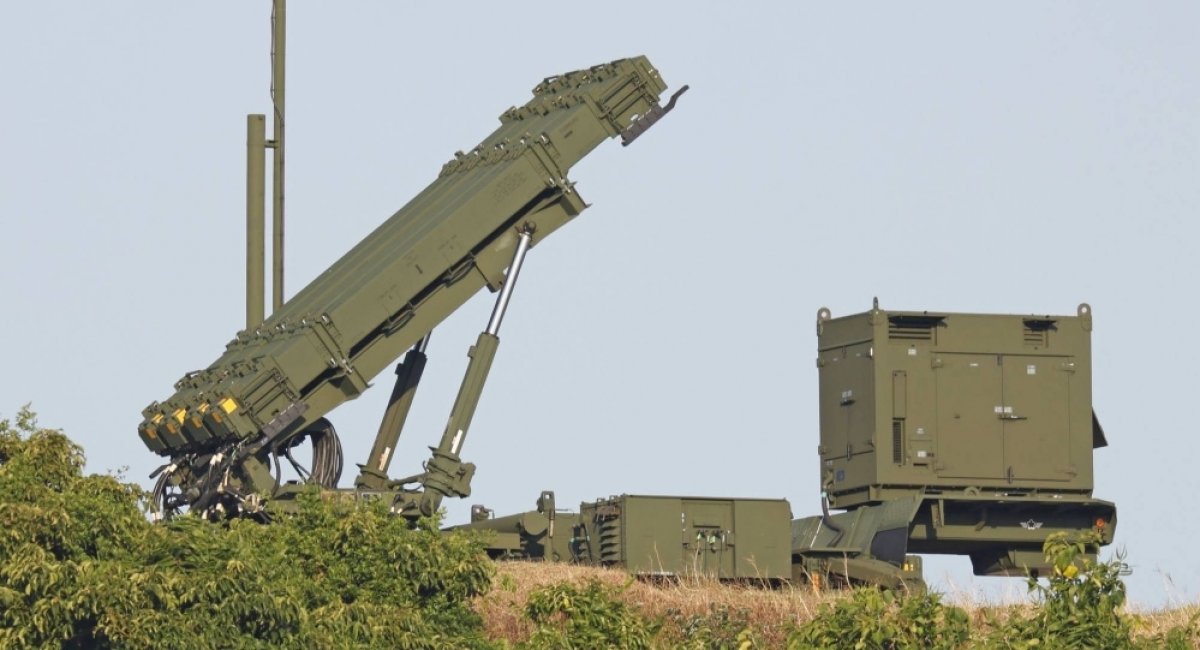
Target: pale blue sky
(1011,157)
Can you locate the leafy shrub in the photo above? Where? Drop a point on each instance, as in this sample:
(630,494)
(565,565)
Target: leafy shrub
(1081,605)
(1179,637)
(81,566)
(871,619)
(721,628)
(569,617)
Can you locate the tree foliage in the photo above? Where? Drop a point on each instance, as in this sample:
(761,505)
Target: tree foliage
(569,617)
(1081,600)
(81,566)
(872,619)
(1081,605)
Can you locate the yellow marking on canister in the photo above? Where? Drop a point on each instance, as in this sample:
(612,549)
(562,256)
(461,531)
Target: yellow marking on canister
(157,418)
(151,432)
(228,405)
(179,415)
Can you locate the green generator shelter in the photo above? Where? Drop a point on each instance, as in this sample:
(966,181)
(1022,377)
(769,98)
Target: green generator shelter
(981,424)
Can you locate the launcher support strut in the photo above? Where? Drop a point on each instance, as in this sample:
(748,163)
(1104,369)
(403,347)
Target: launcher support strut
(445,473)
(373,473)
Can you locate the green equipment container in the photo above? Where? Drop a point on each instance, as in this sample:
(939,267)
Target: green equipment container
(680,536)
(961,434)
(920,401)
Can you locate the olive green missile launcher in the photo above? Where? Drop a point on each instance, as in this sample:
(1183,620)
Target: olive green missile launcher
(227,427)
(940,433)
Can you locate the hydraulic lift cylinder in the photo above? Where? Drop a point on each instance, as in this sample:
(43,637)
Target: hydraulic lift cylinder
(446,473)
(481,358)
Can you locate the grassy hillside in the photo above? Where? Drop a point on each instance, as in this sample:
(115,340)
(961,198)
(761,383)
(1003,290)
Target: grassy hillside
(81,566)
(706,613)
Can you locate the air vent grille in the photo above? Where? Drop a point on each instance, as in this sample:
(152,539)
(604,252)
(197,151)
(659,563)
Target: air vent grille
(1036,332)
(913,328)
(610,540)
(898,441)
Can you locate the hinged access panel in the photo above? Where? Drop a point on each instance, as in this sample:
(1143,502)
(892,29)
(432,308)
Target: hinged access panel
(1003,417)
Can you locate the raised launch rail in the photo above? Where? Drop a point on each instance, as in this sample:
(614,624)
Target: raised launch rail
(225,425)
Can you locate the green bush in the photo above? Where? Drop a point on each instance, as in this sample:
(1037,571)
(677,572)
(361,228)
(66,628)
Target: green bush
(1078,607)
(721,628)
(82,567)
(1081,605)
(872,619)
(569,617)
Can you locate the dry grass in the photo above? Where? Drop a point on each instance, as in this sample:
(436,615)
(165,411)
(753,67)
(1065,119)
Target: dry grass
(987,614)
(769,612)
(1158,622)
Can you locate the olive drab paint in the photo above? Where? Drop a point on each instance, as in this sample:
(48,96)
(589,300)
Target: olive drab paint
(913,401)
(224,426)
(959,434)
(939,432)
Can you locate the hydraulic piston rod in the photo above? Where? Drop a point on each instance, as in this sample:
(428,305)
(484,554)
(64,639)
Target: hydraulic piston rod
(510,281)
(446,474)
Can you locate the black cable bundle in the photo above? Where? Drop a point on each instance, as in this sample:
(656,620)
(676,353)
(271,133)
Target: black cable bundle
(326,468)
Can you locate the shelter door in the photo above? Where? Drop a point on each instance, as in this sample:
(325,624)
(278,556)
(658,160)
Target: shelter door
(970,435)
(1036,417)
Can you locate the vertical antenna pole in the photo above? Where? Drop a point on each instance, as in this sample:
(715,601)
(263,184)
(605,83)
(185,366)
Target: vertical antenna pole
(256,238)
(278,53)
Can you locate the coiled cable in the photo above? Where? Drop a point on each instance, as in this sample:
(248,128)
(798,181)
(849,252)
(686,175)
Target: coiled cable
(327,463)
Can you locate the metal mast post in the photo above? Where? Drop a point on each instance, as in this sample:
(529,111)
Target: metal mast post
(256,143)
(278,52)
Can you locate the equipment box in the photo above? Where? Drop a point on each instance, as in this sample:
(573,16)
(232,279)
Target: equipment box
(954,402)
(677,536)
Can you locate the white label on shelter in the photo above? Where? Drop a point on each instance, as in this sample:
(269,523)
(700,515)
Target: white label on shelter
(1031,369)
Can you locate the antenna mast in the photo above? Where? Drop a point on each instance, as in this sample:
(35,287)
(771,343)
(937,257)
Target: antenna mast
(278,52)
(256,146)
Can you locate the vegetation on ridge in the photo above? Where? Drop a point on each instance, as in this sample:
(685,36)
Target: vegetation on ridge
(81,566)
